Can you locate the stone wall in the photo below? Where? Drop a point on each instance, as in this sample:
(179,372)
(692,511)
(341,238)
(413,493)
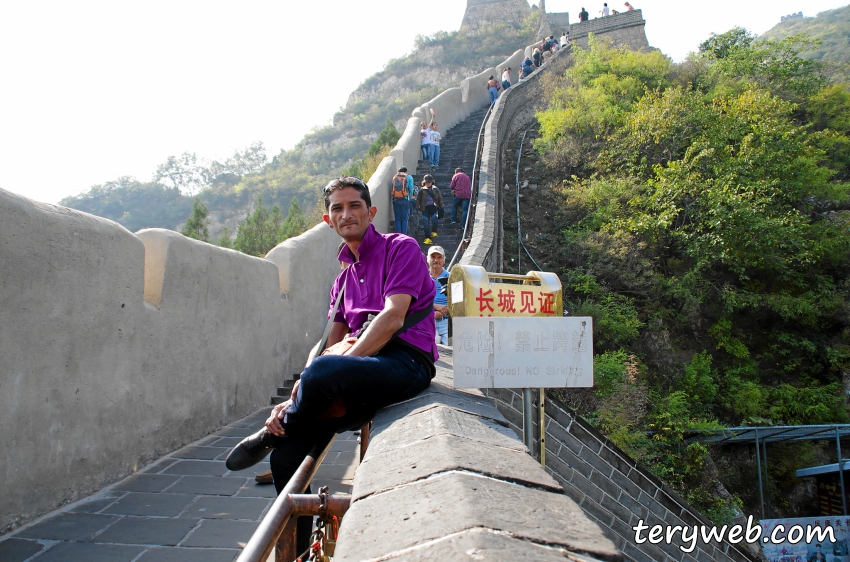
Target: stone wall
(626,28)
(445,479)
(492,12)
(611,488)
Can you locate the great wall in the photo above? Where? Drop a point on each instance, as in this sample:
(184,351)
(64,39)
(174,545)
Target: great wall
(119,348)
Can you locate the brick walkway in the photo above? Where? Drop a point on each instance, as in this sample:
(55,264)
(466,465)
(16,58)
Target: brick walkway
(186,507)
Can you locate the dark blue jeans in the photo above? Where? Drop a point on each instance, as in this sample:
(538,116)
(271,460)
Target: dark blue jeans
(365,383)
(429,220)
(401,208)
(464,209)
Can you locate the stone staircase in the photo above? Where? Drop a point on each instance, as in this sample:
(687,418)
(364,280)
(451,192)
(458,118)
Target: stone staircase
(283,392)
(457,150)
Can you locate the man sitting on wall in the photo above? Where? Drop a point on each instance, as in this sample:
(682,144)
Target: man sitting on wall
(386,282)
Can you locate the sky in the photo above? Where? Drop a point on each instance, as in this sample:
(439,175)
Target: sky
(91,90)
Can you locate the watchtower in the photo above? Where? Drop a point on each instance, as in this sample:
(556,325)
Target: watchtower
(488,12)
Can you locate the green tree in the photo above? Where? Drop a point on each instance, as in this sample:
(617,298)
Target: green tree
(259,233)
(183,173)
(224,240)
(295,222)
(197,224)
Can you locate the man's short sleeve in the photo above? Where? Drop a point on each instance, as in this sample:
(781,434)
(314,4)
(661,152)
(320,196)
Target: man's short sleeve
(407,269)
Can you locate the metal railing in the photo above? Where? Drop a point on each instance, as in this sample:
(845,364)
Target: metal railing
(277,530)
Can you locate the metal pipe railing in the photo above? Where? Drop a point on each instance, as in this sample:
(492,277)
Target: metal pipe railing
(281,517)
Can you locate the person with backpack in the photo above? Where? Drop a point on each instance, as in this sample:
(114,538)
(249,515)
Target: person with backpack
(526,68)
(537,57)
(429,201)
(401,200)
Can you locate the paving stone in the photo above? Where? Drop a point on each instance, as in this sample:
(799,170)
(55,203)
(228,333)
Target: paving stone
(140,530)
(221,533)
(94,505)
(334,486)
(208,485)
(224,442)
(254,490)
(146,483)
(162,505)
(68,527)
(18,550)
(442,454)
(442,420)
(212,507)
(197,468)
(483,545)
(188,555)
(89,552)
(431,509)
(193,452)
(241,432)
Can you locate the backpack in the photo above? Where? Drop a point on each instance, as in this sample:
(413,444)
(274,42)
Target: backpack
(399,187)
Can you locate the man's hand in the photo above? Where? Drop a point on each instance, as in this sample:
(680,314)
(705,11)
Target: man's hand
(273,423)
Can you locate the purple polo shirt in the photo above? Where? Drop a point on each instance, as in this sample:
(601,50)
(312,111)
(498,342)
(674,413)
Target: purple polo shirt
(462,185)
(389,264)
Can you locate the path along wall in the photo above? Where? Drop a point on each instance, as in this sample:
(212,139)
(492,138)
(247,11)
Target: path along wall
(611,488)
(116,348)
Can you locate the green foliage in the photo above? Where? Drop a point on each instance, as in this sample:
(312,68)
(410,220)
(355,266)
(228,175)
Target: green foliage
(705,226)
(295,222)
(260,231)
(224,240)
(197,225)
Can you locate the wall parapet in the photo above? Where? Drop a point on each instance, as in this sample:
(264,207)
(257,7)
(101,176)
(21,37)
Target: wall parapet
(607,24)
(445,479)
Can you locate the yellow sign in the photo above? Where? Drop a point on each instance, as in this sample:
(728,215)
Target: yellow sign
(471,293)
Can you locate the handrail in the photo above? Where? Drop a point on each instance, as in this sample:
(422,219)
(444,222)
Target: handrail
(474,195)
(284,507)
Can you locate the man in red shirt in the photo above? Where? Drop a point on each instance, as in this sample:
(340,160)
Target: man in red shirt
(462,190)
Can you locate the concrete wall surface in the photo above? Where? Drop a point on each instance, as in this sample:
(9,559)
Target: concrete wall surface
(116,348)
(445,479)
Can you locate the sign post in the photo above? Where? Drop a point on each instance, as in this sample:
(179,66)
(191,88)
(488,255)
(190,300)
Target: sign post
(514,335)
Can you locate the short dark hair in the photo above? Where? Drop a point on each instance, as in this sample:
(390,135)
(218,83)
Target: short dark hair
(346,181)
(457,170)
(403,169)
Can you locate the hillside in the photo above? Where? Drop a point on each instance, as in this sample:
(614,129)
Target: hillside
(831,27)
(231,189)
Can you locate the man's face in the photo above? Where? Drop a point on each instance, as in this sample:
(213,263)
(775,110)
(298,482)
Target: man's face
(437,260)
(348,214)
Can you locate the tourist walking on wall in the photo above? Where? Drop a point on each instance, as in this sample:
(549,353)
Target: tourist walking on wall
(424,141)
(411,196)
(434,139)
(583,15)
(400,197)
(436,261)
(493,87)
(462,190)
(526,68)
(506,78)
(355,376)
(605,11)
(565,39)
(537,57)
(629,7)
(429,201)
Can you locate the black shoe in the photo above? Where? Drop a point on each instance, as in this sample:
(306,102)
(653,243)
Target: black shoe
(250,451)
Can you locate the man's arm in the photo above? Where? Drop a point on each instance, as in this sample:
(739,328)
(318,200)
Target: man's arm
(382,328)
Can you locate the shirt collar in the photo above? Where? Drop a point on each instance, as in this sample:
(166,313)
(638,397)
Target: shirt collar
(369,239)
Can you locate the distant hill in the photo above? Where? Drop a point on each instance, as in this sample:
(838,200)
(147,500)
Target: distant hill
(831,27)
(230,190)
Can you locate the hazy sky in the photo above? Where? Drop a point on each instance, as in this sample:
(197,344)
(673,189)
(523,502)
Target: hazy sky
(93,90)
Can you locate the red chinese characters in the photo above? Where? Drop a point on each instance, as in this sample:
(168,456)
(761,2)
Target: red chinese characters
(485,301)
